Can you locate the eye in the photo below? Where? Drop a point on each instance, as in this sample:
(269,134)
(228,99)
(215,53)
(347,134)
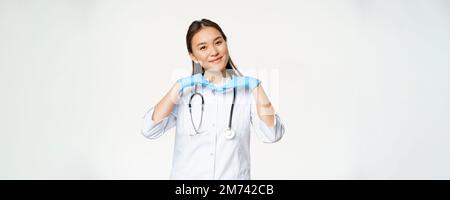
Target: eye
(219,43)
(203,48)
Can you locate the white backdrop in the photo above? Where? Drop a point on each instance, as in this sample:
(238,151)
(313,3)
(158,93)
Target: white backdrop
(362,86)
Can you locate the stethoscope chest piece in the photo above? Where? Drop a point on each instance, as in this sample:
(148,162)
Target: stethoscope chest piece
(229,134)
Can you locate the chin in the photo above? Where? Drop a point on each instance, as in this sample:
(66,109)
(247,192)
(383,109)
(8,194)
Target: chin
(216,67)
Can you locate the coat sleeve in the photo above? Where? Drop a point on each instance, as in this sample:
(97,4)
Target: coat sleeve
(266,134)
(152,129)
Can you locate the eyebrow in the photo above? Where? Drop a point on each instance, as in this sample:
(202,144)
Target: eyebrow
(201,43)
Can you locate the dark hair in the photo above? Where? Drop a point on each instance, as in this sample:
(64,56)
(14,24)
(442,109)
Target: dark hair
(195,27)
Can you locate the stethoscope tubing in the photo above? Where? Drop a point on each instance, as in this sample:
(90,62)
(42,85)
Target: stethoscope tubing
(202,110)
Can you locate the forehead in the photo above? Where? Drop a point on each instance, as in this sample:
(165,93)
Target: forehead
(206,34)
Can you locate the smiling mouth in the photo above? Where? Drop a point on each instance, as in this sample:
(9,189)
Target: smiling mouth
(216,60)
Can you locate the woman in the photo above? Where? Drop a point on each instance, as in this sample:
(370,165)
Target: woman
(213,138)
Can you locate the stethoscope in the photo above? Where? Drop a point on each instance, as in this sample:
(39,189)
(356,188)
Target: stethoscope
(229,133)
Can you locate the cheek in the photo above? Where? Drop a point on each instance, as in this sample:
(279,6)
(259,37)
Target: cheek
(223,49)
(202,57)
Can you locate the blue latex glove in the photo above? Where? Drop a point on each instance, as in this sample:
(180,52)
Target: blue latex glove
(236,82)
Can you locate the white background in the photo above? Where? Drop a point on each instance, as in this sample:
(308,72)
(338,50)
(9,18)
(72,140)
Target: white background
(363,87)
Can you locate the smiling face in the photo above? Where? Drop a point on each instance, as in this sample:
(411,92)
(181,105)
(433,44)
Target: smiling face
(210,49)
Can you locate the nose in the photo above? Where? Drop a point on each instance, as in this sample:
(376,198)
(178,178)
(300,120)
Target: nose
(214,52)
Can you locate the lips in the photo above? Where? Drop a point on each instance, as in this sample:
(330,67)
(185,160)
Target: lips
(216,60)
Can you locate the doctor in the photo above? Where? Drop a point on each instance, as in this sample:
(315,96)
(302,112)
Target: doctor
(212,111)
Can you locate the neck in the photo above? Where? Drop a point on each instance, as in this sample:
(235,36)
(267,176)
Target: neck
(216,77)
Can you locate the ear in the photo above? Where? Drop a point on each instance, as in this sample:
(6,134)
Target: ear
(193,58)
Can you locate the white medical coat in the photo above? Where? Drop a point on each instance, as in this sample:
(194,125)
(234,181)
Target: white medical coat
(209,155)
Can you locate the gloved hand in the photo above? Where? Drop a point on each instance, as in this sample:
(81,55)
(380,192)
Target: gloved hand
(236,82)
(239,82)
(191,81)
